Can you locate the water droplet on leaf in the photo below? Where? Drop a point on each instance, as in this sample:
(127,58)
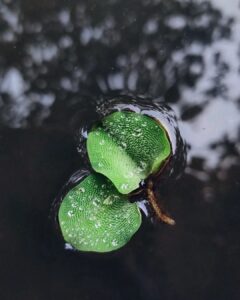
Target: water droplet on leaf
(95,226)
(139,146)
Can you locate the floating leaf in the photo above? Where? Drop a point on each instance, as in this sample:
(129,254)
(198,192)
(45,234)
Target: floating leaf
(127,147)
(95,217)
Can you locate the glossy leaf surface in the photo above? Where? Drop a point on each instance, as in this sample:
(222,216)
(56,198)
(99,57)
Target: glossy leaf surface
(93,216)
(127,147)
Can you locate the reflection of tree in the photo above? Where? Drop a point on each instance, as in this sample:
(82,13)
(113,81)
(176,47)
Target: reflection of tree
(56,58)
(64,50)
(62,54)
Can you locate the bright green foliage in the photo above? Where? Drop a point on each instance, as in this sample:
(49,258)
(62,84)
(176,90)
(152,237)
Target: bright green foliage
(95,217)
(127,148)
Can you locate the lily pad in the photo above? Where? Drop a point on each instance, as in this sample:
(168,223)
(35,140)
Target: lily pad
(128,147)
(94,216)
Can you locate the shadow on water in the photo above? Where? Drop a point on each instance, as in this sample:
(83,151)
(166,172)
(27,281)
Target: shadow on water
(58,59)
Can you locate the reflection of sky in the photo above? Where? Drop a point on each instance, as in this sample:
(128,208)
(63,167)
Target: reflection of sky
(220,118)
(230,8)
(13,84)
(70,60)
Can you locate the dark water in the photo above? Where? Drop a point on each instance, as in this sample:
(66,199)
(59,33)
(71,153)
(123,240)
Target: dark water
(57,60)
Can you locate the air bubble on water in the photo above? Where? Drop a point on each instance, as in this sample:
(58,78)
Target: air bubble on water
(68,246)
(142,205)
(102,142)
(82,189)
(85,134)
(97,133)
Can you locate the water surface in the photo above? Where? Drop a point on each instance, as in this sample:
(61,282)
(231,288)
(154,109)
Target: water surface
(57,60)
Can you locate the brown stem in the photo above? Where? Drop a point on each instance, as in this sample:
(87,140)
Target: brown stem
(153,200)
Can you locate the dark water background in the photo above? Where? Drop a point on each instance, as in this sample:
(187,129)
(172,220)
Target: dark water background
(57,58)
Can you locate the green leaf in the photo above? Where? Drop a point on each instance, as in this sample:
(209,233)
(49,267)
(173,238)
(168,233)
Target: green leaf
(127,147)
(93,216)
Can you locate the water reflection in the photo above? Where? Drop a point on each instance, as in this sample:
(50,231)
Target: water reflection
(57,59)
(187,53)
